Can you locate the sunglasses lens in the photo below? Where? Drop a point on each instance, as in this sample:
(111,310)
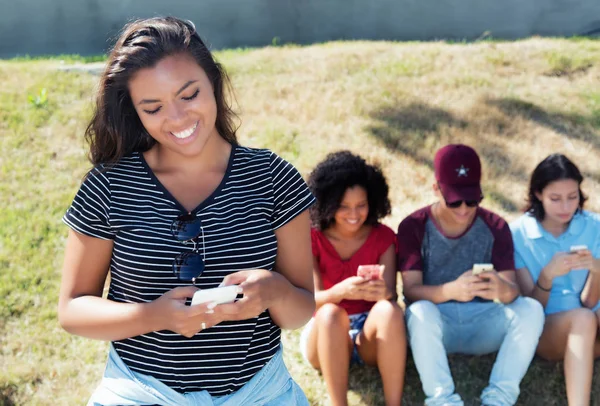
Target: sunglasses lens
(186,227)
(457,204)
(187,267)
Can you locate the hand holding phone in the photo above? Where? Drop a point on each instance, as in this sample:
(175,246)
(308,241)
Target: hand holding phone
(480,268)
(225,294)
(371,272)
(576,248)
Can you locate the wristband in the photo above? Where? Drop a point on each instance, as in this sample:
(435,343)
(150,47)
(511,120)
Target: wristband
(537,283)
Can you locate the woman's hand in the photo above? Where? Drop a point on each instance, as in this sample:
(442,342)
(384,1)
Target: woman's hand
(171,312)
(352,288)
(262,289)
(375,290)
(585,260)
(560,264)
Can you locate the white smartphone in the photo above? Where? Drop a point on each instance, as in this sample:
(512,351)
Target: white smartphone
(225,294)
(479,268)
(575,248)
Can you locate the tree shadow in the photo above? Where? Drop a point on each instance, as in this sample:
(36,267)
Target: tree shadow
(410,128)
(417,131)
(573,126)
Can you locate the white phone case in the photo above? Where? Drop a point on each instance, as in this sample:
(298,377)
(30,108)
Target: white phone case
(479,268)
(225,294)
(575,248)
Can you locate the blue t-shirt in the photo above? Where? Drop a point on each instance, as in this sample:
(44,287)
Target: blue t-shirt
(535,247)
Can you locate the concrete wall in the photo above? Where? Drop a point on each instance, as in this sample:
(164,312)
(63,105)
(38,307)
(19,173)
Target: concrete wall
(85,26)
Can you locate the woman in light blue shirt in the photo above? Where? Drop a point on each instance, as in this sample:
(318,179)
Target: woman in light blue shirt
(557,246)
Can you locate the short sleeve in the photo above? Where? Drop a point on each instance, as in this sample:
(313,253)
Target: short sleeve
(290,192)
(410,240)
(595,246)
(515,232)
(89,213)
(519,261)
(503,252)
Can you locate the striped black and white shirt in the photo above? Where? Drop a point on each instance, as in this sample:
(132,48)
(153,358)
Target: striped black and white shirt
(259,193)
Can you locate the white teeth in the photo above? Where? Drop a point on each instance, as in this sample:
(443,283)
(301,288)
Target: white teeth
(185,133)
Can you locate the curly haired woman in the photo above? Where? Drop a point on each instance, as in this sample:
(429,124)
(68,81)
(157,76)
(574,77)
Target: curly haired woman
(357,318)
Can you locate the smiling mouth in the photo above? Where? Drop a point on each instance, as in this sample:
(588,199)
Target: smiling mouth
(185,133)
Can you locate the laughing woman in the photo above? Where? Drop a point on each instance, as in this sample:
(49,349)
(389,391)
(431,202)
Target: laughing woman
(357,319)
(174,204)
(557,251)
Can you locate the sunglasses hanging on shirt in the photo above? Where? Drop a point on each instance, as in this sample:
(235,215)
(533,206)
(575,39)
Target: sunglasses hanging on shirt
(189,265)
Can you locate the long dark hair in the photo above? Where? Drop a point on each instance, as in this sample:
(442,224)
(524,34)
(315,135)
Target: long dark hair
(554,167)
(115,129)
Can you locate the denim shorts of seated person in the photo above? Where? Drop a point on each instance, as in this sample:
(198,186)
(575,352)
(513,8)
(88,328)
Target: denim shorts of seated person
(357,322)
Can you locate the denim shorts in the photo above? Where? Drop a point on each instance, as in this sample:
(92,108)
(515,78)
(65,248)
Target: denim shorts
(357,322)
(271,386)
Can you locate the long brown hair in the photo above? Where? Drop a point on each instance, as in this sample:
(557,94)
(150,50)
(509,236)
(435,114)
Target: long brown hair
(115,129)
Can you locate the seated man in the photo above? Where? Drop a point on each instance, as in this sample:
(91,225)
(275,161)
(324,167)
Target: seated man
(456,310)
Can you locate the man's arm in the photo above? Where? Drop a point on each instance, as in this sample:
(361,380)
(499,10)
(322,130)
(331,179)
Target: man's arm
(461,289)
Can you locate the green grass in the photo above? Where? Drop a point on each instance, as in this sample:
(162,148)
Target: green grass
(394,103)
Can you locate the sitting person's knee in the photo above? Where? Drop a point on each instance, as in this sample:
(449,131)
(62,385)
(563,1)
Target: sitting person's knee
(387,307)
(584,320)
(387,312)
(331,314)
(422,309)
(423,316)
(529,312)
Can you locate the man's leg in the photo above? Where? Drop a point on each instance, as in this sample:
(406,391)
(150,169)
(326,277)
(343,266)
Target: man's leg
(426,336)
(515,330)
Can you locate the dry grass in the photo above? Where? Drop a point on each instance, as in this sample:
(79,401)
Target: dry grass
(394,103)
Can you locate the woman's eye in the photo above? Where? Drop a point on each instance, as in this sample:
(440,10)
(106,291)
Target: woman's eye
(192,97)
(153,111)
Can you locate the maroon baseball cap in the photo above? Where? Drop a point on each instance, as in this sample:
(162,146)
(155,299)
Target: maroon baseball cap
(458,173)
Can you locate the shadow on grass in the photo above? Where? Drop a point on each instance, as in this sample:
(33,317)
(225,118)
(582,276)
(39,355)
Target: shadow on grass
(573,126)
(543,385)
(417,130)
(8,392)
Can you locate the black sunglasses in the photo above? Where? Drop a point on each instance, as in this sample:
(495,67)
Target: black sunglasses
(190,265)
(458,203)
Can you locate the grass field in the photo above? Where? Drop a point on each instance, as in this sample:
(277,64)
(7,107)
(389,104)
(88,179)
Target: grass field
(395,103)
